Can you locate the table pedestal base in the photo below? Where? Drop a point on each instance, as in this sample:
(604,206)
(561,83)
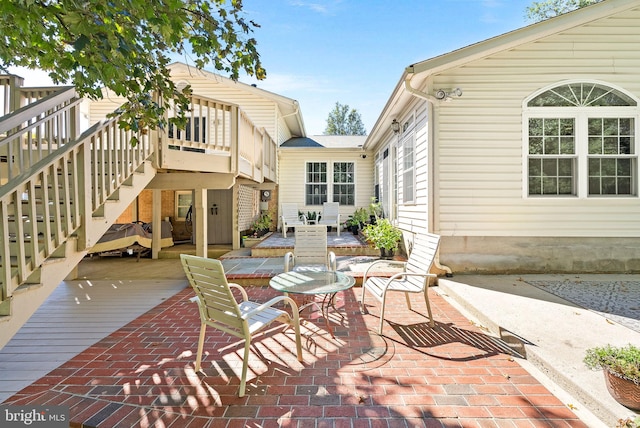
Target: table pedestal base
(328,302)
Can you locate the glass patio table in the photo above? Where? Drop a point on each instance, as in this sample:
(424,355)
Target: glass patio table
(311,283)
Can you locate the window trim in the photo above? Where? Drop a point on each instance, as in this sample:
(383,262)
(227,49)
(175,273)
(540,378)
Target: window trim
(408,137)
(580,116)
(176,211)
(306,182)
(353,183)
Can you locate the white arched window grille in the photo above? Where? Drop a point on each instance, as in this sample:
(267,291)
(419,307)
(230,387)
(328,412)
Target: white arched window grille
(580,141)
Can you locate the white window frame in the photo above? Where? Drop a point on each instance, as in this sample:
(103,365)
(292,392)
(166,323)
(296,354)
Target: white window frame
(334,183)
(408,169)
(183,199)
(580,114)
(325,183)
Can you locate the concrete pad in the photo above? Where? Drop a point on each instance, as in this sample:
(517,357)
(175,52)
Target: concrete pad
(553,333)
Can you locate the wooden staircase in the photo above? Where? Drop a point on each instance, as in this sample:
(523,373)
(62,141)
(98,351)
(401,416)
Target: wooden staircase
(59,192)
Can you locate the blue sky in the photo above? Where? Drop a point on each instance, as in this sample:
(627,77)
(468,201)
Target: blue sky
(320,52)
(354,51)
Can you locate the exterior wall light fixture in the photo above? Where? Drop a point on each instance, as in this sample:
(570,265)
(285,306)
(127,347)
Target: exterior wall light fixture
(448,94)
(395,126)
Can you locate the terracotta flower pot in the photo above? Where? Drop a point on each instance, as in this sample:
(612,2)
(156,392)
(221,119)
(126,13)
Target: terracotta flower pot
(624,391)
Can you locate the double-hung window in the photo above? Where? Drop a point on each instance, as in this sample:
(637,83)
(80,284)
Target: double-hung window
(580,142)
(316,183)
(344,187)
(407,167)
(340,181)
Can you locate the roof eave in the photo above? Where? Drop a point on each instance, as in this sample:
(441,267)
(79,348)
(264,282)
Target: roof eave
(289,107)
(521,36)
(488,47)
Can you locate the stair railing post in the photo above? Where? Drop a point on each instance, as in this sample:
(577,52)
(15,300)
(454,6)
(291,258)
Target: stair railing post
(84,183)
(15,94)
(235,139)
(158,138)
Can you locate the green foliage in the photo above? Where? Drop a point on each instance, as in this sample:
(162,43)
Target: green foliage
(311,215)
(375,208)
(541,10)
(262,223)
(342,121)
(623,361)
(383,234)
(351,222)
(360,216)
(126,45)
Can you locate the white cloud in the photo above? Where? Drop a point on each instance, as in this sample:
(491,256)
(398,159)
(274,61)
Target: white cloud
(325,8)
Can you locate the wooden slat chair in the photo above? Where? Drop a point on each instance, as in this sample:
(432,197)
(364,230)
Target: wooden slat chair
(219,309)
(330,215)
(310,250)
(415,277)
(289,217)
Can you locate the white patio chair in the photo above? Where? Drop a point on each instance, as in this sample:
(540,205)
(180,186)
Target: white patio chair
(290,217)
(219,309)
(330,215)
(414,278)
(310,250)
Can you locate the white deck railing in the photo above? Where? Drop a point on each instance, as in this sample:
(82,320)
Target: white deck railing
(220,129)
(53,181)
(36,130)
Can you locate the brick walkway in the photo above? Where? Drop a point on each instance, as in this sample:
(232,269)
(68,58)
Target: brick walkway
(453,375)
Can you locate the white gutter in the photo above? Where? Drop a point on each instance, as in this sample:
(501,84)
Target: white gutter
(296,112)
(407,85)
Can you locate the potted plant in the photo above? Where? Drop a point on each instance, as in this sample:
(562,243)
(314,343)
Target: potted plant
(621,367)
(262,225)
(360,216)
(312,216)
(356,220)
(384,236)
(352,225)
(375,210)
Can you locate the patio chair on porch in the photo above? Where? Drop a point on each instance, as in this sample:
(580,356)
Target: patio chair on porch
(310,250)
(290,217)
(219,309)
(415,277)
(330,215)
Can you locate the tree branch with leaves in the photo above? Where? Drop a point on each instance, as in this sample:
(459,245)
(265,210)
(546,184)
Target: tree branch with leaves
(126,46)
(344,121)
(541,10)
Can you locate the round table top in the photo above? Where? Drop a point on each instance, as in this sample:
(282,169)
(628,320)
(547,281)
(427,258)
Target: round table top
(312,282)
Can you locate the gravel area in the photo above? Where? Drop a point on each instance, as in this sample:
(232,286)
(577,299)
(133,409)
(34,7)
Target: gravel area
(618,301)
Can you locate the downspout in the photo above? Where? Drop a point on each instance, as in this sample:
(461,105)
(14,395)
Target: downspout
(434,103)
(415,92)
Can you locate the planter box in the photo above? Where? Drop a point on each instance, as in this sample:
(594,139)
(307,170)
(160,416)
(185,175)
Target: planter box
(251,241)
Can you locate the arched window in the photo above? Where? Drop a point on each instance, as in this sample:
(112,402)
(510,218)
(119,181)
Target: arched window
(580,141)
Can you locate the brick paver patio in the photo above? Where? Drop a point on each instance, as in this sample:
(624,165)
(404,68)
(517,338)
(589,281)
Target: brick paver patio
(453,375)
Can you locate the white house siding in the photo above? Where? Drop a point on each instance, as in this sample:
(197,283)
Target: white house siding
(414,217)
(98,110)
(292,165)
(263,112)
(260,110)
(480,168)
